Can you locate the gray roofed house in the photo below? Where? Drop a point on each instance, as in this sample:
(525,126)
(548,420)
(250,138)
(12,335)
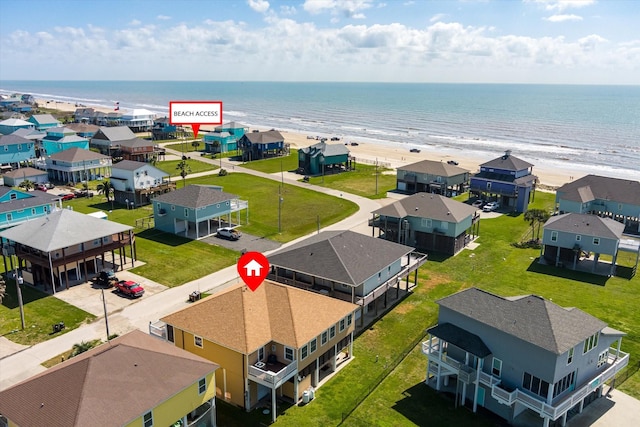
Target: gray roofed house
(77,165)
(520,356)
(136,183)
(428,222)
(430,176)
(66,246)
(603,196)
(259,145)
(346,265)
(15,177)
(17,206)
(136,373)
(44,121)
(108,138)
(568,238)
(196,211)
(30,134)
(16,149)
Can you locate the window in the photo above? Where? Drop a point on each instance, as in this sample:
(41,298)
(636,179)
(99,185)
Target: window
(186,212)
(13,196)
(535,385)
(496,368)
(602,358)
(578,237)
(488,186)
(570,356)
(323,340)
(170,334)
(173,207)
(349,319)
(288,353)
(197,341)
(304,352)
(9,216)
(564,384)
(313,345)
(341,325)
(202,385)
(33,211)
(147,419)
(332,332)
(554,236)
(619,206)
(426,222)
(596,240)
(590,343)
(261,353)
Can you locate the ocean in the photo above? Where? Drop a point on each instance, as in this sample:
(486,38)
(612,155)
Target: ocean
(590,129)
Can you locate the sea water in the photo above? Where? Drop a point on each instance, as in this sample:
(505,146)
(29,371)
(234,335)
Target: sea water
(594,129)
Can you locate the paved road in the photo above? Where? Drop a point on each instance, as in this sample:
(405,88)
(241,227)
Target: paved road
(17,366)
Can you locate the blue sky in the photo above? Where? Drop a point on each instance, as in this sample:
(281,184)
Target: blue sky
(511,41)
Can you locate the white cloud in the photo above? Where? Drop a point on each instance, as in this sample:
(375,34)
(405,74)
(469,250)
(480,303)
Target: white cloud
(562,5)
(437,17)
(286,10)
(345,8)
(135,22)
(563,18)
(260,6)
(163,17)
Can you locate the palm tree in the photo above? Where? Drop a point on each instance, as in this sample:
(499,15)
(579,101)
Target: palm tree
(27,185)
(3,289)
(184,169)
(533,217)
(215,145)
(195,144)
(107,189)
(81,347)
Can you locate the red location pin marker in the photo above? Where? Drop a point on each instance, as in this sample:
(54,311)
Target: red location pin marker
(195,113)
(253,268)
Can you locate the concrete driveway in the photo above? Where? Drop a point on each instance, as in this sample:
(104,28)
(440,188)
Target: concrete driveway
(247,242)
(88,296)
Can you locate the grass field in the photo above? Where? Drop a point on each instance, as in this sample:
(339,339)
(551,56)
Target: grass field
(196,166)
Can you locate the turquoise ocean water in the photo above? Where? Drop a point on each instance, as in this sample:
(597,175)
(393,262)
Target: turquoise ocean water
(593,129)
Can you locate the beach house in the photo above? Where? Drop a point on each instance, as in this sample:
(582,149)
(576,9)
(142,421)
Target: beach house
(524,358)
(15,149)
(323,158)
(67,248)
(108,139)
(163,129)
(132,380)
(428,222)
(577,241)
(224,138)
(17,176)
(260,145)
(62,138)
(11,125)
(348,266)
(138,119)
(197,211)
(429,176)
(277,342)
(136,183)
(84,115)
(85,130)
(17,206)
(137,149)
(614,198)
(77,165)
(507,180)
(44,121)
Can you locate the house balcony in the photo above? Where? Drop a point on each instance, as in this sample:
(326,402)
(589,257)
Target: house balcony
(447,364)
(272,374)
(615,363)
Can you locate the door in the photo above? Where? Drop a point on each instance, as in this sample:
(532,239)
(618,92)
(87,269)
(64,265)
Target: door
(480,396)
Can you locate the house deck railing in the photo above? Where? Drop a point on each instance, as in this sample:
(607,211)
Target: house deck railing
(274,378)
(158,329)
(617,362)
(465,373)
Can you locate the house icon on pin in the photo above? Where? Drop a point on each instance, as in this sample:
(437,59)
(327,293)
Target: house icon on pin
(253,268)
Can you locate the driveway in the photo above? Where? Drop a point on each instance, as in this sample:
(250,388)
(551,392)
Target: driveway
(247,242)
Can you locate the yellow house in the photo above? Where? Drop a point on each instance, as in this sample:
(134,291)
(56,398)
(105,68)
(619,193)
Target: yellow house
(278,341)
(135,380)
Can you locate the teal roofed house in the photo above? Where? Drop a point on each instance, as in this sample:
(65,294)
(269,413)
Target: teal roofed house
(44,121)
(224,138)
(323,158)
(18,206)
(16,149)
(62,138)
(233,128)
(11,125)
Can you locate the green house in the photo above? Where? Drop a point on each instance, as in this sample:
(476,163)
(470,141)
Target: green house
(322,158)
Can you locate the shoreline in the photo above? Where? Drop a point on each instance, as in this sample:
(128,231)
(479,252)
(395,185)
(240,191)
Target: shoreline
(389,155)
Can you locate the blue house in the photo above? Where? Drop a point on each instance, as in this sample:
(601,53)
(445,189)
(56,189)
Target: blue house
(163,129)
(323,158)
(197,211)
(18,206)
(524,358)
(220,142)
(11,125)
(44,121)
(61,139)
(428,222)
(507,180)
(16,149)
(8,102)
(260,145)
(614,198)
(21,107)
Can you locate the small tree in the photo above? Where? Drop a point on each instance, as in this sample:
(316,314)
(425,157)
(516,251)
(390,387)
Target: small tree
(3,289)
(81,347)
(195,144)
(216,147)
(106,188)
(184,169)
(27,185)
(536,217)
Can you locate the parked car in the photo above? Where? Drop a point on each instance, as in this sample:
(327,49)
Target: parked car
(335,138)
(67,196)
(415,150)
(491,206)
(452,162)
(41,187)
(354,144)
(106,278)
(82,193)
(129,288)
(228,233)
(478,204)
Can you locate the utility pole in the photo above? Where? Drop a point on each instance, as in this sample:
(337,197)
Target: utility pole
(280,200)
(19,281)
(106,319)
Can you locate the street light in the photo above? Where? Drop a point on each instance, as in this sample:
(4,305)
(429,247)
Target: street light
(280,200)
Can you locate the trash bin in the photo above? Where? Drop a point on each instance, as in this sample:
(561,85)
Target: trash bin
(305,396)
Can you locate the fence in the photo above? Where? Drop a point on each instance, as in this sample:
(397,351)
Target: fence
(624,375)
(373,162)
(399,358)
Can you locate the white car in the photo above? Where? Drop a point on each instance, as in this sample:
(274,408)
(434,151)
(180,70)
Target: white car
(478,204)
(491,206)
(228,233)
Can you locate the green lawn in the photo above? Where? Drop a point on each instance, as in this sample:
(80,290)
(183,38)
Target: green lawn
(276,164)
(362,181)
(196,166)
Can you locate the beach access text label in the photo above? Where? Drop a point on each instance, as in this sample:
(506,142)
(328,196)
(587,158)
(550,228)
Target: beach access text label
(195,113)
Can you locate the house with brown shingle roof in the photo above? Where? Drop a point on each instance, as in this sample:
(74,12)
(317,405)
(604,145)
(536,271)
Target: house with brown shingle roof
(429,176)
(428,222)
(521,357)
(277,341)
(260,145)
(132,380)
(77,165)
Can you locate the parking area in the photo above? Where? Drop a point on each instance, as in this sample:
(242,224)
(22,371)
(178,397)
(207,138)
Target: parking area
(247,242)
(88,296)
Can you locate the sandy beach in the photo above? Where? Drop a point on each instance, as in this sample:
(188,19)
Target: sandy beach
(389,156)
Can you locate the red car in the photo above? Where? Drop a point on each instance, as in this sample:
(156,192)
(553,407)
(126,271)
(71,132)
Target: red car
(129,288)
(67,196)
